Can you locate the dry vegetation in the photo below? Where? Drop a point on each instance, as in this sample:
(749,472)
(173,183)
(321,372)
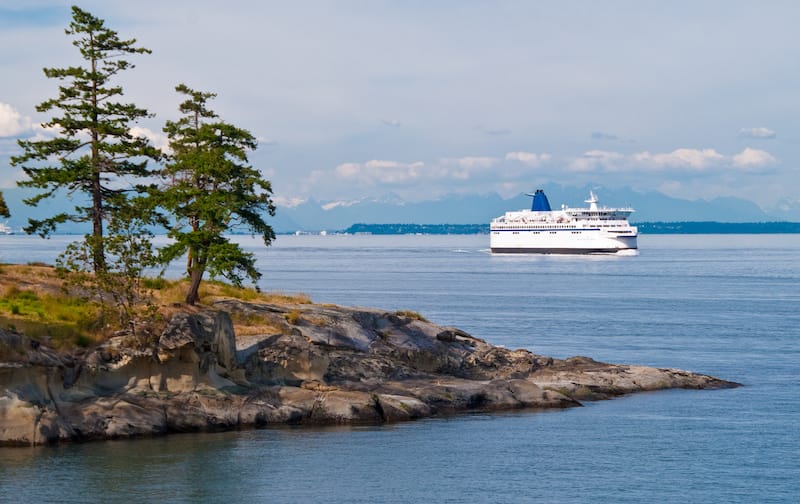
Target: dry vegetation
(35,300)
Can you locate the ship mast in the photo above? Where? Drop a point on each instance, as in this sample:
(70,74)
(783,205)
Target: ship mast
(592,201)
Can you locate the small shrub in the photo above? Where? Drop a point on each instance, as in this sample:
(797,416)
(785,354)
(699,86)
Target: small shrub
(15,309)
(411,314)
(157,283)
(293,317)
(82,340)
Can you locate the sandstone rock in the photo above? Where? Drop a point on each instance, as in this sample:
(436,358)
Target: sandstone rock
(318,365)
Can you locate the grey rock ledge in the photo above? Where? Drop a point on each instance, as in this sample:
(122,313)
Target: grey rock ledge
(300,364)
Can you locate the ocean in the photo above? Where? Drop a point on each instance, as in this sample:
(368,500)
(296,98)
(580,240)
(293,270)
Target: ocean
(726,305)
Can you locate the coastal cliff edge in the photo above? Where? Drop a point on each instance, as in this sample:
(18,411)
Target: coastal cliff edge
(290,364)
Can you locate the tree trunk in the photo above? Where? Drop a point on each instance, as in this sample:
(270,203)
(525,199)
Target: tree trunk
(98,250)
(193,296)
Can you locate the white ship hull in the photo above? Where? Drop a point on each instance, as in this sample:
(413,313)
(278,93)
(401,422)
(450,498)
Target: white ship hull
(562,241)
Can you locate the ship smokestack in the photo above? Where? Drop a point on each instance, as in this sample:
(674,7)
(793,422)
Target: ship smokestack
(540,203)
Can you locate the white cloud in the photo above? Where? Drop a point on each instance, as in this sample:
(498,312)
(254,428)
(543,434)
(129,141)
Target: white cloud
(288,202)
(528,158)
(760,132)
(347,170)
(10,178)
(159,140)
(340,204)
(694,159)
(753,158)
(678,160)
(596,160)
(381,171)
(464,168)
(471,162)
(511,173)
(12,123)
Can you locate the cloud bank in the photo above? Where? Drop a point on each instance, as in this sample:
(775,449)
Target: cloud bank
(759,132)
(12,123)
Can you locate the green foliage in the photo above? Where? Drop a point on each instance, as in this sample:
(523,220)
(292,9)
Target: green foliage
(63,319)
(93,152)
(208,190)
(154,283)
(121,285)
(3,207)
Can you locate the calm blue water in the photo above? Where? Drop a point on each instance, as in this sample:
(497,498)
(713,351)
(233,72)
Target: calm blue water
(724,305)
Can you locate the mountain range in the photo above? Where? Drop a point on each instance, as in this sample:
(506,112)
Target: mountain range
(651,206)
(312,215)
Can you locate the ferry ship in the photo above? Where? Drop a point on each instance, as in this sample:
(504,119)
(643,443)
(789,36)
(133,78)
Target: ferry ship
(593,230)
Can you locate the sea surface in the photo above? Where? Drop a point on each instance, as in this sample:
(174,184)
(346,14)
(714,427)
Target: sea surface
(726,305)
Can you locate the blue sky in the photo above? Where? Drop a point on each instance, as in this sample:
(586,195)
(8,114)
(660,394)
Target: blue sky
(358,99)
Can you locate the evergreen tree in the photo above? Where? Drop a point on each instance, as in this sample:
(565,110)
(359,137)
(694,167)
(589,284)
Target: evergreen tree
(3,207)
(94,153)
(210,189)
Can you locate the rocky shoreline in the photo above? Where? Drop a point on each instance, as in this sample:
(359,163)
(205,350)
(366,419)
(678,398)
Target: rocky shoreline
(289,364)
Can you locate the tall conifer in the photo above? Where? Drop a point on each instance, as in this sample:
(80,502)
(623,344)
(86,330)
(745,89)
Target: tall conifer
(210,189)
(93,157)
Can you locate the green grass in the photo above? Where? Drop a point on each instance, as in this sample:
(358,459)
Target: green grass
(67,321)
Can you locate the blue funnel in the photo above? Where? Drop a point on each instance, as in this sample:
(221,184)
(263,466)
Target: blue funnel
(540,203)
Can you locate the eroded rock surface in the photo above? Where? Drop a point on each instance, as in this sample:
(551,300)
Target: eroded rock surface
(311,364)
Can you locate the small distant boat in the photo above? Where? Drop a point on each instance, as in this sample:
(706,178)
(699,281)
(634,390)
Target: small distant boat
(5,229)
(541,230)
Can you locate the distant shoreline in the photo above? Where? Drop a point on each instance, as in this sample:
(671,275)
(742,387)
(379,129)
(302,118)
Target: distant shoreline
(644,228)
(648,228)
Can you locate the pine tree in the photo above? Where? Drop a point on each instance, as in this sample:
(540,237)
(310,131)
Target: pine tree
(209,189)
(94,153)
(3,207)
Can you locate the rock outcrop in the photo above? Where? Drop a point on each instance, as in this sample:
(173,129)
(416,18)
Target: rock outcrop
(301,364)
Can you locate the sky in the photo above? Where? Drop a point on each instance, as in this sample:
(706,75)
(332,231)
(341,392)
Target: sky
(360,99)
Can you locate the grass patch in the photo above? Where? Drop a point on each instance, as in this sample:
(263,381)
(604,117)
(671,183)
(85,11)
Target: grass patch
(37,300)
(157,283)
(319,321)
(281,298)
(174,291)
(220,289)
(410,314)
(33,303)
(255,323)
(60,335)
(293,317)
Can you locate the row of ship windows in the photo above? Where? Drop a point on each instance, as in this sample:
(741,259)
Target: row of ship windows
(538,232)
(549,227)
(569,227)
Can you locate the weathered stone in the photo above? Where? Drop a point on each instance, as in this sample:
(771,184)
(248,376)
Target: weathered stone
(330,365)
